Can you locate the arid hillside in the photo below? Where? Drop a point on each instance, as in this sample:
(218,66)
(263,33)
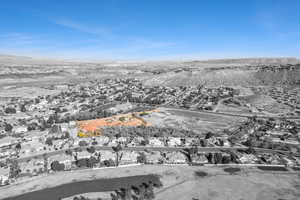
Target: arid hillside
(229,72)
(248,75)
(286,75)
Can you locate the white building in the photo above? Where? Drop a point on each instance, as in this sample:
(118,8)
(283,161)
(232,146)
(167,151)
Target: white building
(174,141)
(155,142)
(20,129)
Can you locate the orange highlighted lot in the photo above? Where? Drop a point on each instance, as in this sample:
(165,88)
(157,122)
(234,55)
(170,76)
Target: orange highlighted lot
(90,128)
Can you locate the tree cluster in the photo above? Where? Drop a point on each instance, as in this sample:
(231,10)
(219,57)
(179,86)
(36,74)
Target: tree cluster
(10,110)
(56,166)
(87,162)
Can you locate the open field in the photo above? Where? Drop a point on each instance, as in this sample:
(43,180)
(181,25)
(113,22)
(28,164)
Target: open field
(184,182)
(199,122)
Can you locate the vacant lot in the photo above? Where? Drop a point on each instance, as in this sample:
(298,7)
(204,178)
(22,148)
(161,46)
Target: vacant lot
(130,119)
(196,121)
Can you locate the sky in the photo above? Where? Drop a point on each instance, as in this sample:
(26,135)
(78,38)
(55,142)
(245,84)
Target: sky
(150,29)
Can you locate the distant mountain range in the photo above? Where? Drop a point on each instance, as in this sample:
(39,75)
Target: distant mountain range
(254,61)
(26,60)
(13,59)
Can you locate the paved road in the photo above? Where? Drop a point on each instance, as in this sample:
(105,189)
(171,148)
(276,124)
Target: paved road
(137,148)
(213,112)
(229,114)
(217,113)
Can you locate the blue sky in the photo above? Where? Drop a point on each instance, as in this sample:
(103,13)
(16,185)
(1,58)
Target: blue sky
(150,29)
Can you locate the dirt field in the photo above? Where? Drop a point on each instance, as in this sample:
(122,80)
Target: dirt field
(130,119)
(266,103)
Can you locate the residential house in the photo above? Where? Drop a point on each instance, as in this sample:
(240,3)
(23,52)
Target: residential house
(174,141)
(4,174)
(122,140)
(82,155)
(199,158)
(248,159)
(32,167)
(175,158)
(62,159)
(102,141)
(64,127)
(31,147)
(113,142)
(288,161)
(156,142)
(128,157)
(273,159)
(72,124)
(106,155)
(19,130)
(136,141)
(154,157)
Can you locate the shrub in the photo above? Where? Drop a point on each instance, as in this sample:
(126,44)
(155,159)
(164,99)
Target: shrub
(92,161)
(10,110)
(272,168)
(49,141)
(144,113)
(141,158)
(232,170)
(82,162)
(14,169)
(200,173)
(8,127)
(66,135)
(109,163)
(83,143)
(81,134)
(122,119)
(56,166)
(91,149)
(68,152)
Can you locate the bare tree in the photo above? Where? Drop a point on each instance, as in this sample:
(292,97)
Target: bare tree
(117,150)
